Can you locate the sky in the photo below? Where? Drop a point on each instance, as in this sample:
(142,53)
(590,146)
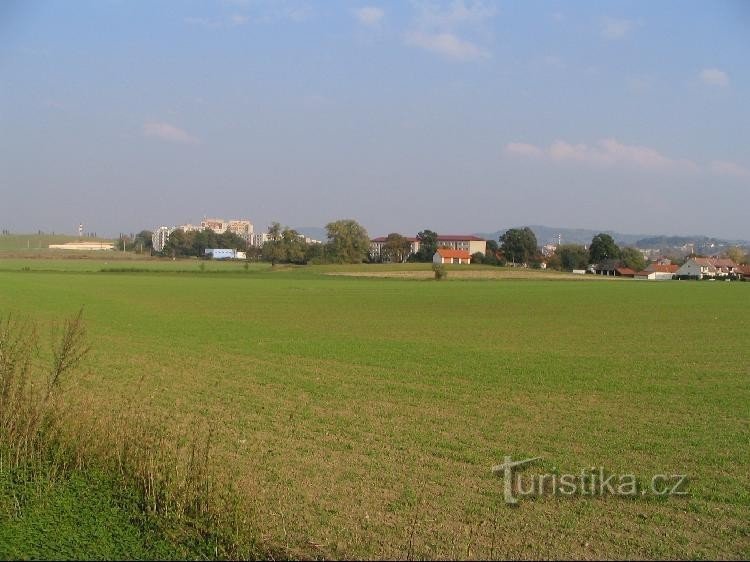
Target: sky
(458,116)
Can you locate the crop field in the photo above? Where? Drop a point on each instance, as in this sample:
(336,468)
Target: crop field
(39,242)
(360,415)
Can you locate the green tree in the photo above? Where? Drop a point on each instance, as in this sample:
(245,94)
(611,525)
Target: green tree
(633,258)
(274,231)
(231,240)
(254,253)
(177,245)
(294,246)
(273,248)
(396,248)
(490,256)
(315,253)
(348,241)
(603,248)
(518,244)
(477,257)
(427,245)
(735,253)
(143,242)
(572,256)
(554,262)
(284,245)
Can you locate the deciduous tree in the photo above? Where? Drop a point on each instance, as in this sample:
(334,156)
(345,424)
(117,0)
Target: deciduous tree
(518,244)
(736,254)
(348,241)
(633,258)
(427,245)
(572,256)
(396,248)
(603,248)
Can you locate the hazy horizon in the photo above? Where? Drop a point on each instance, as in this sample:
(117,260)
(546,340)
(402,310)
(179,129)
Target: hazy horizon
(456,116)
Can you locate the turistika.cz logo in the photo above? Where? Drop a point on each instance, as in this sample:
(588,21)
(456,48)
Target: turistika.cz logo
(593,481)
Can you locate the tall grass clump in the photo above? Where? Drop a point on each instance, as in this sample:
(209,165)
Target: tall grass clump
(440,271)
(29,404)
(48,433)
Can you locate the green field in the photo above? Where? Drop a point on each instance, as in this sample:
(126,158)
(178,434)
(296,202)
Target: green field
(24,242)
(360,417)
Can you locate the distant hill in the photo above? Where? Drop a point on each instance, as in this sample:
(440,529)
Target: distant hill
(546,235)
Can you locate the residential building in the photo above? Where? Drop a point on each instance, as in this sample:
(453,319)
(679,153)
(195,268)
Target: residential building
(449,255)
(700,268)
(242,228)
(189,228)
(219,226)
(658,271)
(464,242)
(376,245)
(258,239)
(160,236)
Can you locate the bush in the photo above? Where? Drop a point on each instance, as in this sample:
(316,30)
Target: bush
(440,271)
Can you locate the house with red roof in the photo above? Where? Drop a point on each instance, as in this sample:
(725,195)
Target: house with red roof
(465,242)
(448,255)
(612,268)
(658,272)
(624,272)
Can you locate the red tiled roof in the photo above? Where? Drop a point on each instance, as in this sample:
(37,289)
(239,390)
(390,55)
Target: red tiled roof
(723,262)
(440,238)
(671,268)
(459,238)
(714,262)
(448,253)
(385,238)
(625,271)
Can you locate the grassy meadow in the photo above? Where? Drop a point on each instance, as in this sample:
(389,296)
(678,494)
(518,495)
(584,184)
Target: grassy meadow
(360,416)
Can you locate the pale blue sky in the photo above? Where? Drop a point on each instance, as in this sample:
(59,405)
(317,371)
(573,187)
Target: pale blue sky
(457,116)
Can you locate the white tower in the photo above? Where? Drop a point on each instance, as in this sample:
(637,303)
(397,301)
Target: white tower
(80,230)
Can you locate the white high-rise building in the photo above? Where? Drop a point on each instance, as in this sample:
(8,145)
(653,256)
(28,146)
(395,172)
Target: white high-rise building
(160,236)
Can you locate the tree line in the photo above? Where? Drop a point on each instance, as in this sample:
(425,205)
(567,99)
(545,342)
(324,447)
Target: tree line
(349,242)
(519,245)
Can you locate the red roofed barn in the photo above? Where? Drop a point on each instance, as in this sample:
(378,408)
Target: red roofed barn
(446,255)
